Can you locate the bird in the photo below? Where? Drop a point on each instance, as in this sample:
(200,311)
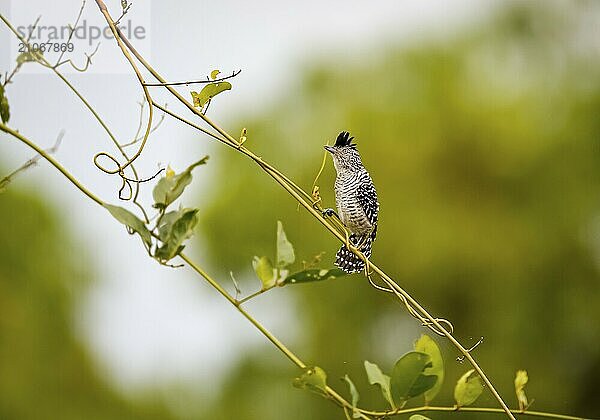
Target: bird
(356,202)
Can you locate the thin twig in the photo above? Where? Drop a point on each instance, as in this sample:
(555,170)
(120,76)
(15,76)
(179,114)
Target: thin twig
(125,6)
(422,409)
(31,162)
(88,61)
(191,82)
(49,158)
(71,32)
(156,126)
(12,74)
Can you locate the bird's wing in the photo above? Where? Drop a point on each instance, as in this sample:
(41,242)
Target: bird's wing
(367,198)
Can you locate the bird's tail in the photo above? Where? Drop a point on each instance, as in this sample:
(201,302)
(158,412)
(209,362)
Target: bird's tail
(350,262)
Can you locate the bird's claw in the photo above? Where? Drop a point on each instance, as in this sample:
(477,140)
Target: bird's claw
(328,212)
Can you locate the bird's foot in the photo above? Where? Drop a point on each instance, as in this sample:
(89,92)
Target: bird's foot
(329,212)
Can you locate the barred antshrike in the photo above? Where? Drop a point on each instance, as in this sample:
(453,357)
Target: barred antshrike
(356,200)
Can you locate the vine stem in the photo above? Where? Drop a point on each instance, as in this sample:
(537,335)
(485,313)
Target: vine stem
(118,38)
(298,194)
(455,408)
(282,347)
(295,359)
(54,162)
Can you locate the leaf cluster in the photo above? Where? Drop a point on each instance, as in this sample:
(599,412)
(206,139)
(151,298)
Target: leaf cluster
(210,90)
(418,373)
(277,274)
(165,240)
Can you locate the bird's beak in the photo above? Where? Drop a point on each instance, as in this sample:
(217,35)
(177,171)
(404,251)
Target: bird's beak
(329,149)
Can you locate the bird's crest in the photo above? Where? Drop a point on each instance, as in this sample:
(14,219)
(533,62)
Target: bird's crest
(344,139)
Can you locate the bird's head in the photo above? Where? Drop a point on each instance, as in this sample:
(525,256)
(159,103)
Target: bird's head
(344,153)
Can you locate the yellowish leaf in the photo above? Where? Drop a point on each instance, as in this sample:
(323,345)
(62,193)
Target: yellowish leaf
(520,382)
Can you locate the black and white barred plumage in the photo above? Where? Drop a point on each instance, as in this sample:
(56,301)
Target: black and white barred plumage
(356,200)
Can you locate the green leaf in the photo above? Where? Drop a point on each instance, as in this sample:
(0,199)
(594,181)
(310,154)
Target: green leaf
(29,56)
(313,274)
(214,74)
(4,108)
(425,344)
(171,186)
(264,270)
(521,380)
(165,224)
(468,388)
(285,250)
(408,379)
(313,378)
(355,396)
(376,376)
(418,417)
(208,92)
(131,221)
(174,228)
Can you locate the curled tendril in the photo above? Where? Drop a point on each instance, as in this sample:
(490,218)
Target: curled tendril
(111,158)
(120,170)
(125,185)
(84,67)
(378,287)
(140,181)
(390,289)
(424,321)
(461,359)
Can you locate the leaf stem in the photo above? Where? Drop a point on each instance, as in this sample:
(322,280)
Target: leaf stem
(255,294)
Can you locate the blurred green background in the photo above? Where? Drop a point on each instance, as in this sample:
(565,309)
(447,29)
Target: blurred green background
(485,152)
